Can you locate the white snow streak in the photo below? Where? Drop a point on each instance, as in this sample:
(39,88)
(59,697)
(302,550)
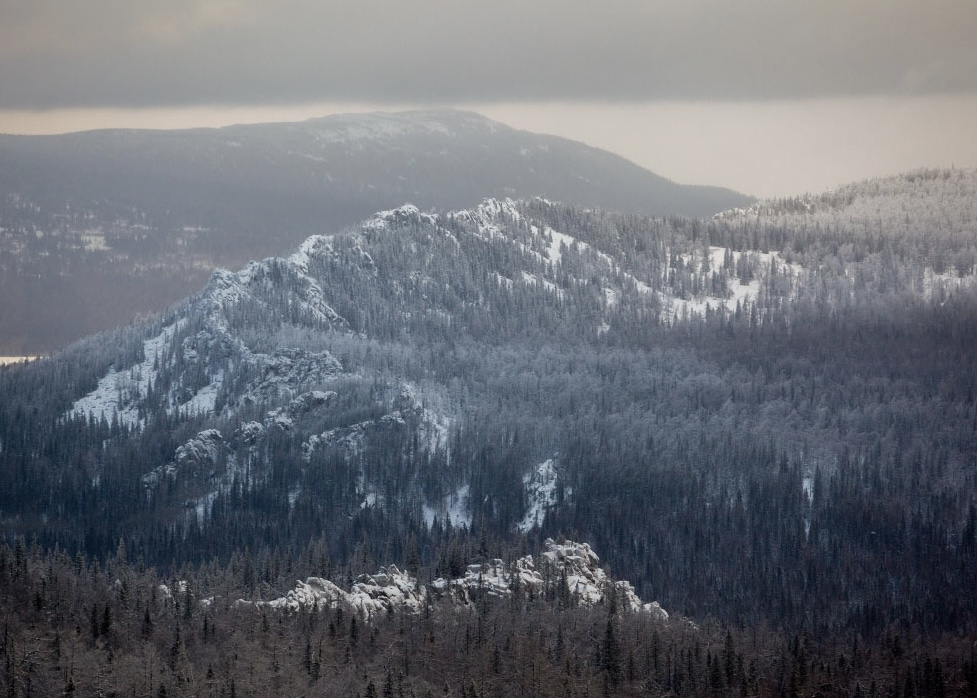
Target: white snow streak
(120,391)
(541,494)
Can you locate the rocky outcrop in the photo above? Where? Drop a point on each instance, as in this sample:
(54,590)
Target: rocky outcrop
(569,570)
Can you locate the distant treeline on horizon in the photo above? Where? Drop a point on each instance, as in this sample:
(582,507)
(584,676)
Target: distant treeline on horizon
(5,360)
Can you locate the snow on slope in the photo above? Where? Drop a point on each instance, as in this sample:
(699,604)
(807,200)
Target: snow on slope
(738,293)
(918,203)
(311,247)
(929,216)
(492,217)
(454,508)
(266,285)
(120,390)
(200,452)
(383,219)
(431,427)
(202,455)
(540,492)
(227,289)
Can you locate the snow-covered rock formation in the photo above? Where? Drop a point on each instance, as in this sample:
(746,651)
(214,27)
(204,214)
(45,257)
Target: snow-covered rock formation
(568,570)
(200,452)
(371,594)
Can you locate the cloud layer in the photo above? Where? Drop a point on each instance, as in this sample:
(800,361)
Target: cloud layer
(121,53)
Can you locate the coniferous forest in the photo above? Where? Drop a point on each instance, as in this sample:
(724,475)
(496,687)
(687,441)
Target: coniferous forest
(765,421)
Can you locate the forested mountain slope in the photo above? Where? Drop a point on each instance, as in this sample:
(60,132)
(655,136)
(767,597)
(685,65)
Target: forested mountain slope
(926,215)
(747,421)
(98,226)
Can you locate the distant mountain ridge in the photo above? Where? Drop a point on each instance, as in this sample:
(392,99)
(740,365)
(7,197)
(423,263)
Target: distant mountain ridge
(377,159)
(898,205)
(929,215)
(98,226)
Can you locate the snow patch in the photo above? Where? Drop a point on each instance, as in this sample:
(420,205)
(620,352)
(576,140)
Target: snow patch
(204,402)
(558,241)
(540,493)
(738,293)
(807,487)
(454,507)
(308,249)
(120,392)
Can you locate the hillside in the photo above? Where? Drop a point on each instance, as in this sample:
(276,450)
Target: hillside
(928,215)
(750,422)
(97,227)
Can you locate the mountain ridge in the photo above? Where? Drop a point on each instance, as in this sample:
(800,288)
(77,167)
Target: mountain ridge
(149,213)
(685,395)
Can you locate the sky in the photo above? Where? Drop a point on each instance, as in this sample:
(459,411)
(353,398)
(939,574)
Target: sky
(770,97)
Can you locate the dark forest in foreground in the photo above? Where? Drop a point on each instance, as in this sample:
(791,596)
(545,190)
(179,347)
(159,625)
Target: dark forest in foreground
(75,629)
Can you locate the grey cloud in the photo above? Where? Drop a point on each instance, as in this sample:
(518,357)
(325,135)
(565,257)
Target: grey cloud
(120,53)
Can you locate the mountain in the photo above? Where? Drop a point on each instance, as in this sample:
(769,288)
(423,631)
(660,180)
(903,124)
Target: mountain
(96,227)
(764,421)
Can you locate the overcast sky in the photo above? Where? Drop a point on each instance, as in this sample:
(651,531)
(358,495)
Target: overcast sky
(767,96)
